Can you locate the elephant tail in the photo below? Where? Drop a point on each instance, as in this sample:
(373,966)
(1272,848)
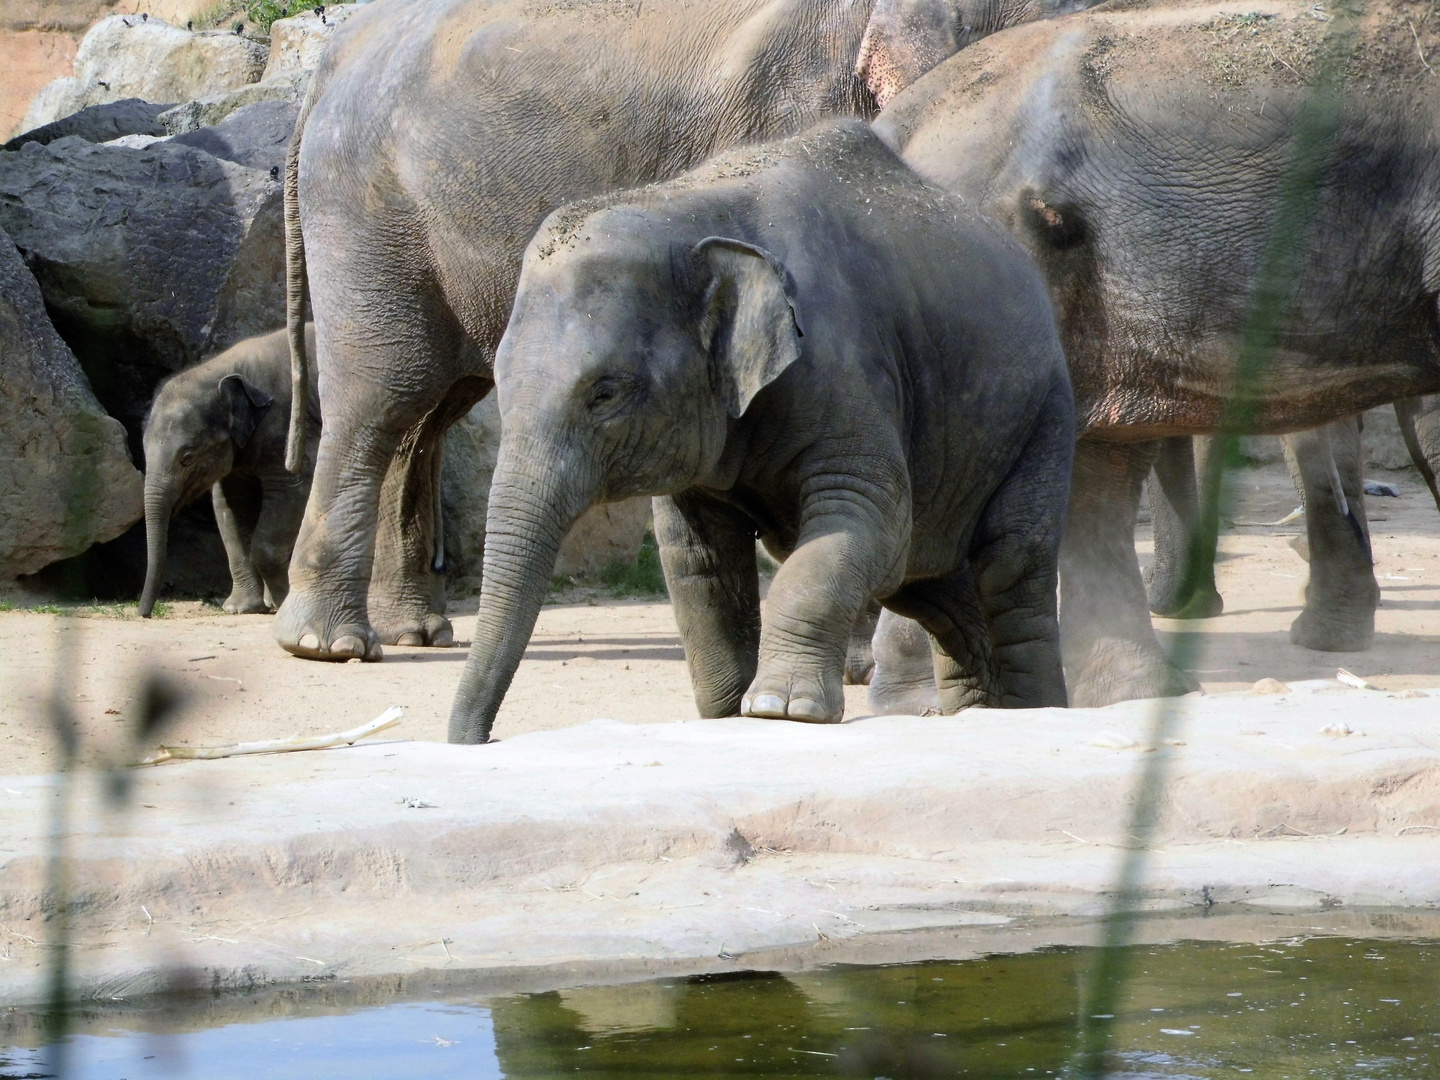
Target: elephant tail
(296,288)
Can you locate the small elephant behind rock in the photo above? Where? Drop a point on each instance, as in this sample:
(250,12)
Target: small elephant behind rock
(220,426)
(800,342)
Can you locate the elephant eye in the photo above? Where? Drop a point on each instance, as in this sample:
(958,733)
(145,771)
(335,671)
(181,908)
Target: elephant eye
(607,391)
(188,458)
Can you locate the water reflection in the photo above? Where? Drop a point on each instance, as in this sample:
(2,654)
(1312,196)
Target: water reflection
(1329,1008)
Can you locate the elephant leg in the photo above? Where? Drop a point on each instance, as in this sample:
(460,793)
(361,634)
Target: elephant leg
(860,656)
(1110,649)
(841,560)
(407,597)
(282,507)
(1341,594)
(235,515)
(707,551)
(1420,425)
(375,388)
(903,683)
(963,672)
(1014,558)
(1180,583)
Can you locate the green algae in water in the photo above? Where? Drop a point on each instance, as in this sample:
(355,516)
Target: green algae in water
(1326,1008)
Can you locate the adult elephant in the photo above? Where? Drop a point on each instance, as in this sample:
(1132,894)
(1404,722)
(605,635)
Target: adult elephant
(436,136)
(1140,155)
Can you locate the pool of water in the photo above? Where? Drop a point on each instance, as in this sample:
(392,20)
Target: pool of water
(1286,1010)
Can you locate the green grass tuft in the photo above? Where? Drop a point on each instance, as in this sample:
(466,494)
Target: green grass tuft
(639,580)
(264,12)
(642,578)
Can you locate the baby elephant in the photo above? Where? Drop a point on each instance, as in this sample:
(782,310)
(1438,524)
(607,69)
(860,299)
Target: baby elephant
(220,426)
(803,342)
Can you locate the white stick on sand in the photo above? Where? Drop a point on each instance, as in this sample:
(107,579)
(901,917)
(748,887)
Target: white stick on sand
(389,718)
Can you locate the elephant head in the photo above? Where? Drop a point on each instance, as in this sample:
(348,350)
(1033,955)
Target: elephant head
(625,364)
(906,38)
(192,434)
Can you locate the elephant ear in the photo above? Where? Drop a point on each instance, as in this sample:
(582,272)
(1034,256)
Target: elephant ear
(906,38)
(247,404)
(748,324)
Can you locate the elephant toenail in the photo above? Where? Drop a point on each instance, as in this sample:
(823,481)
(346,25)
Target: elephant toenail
(443,639)
(770,706)
(309,641)
(347,645)
(374,654)
(809,711)
(414,637)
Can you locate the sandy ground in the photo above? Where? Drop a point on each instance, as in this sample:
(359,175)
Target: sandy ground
(622,659)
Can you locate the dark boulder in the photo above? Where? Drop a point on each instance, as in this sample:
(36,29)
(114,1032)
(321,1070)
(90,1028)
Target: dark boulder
(256,136)
(66,480)
(98,124)
(149,260)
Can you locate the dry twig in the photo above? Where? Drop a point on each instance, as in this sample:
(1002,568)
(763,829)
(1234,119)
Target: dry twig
(389,718)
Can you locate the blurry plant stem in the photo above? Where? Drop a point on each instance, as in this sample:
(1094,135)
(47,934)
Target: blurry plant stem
(57,871)
(1281,266)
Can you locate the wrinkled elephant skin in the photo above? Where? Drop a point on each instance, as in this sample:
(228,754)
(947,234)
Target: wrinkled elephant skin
(436,137)
(220,427)
(803,343)
(1143,181)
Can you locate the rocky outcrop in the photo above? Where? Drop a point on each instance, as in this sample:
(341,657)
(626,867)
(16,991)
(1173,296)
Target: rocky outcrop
(98,123)
(66,480)
(212,110)
(149,259)
(605,535)
(133,56)
(256,136)
(298,43)
(296,46)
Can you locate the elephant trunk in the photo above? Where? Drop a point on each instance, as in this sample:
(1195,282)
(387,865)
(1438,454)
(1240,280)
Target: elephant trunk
(159,509)
(537,493)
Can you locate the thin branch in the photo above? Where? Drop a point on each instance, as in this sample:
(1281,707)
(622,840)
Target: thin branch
(389,718)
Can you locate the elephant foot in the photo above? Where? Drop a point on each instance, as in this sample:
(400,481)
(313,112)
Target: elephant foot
(432,630)
(790,699)
(1201,604)
(893,700)
(1118,670)
(304,629)
(246,603)
(1321,634)
(859,664)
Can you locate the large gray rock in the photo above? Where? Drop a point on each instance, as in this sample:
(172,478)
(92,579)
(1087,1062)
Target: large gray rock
(66,480)
(98,123)
(129,56)
(211,110)
(149,259)
(256,136)
(298,43)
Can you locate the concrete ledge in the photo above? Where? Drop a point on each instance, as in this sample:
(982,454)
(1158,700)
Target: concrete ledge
(679,843)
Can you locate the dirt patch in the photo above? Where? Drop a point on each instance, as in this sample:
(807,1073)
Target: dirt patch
(592,656)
